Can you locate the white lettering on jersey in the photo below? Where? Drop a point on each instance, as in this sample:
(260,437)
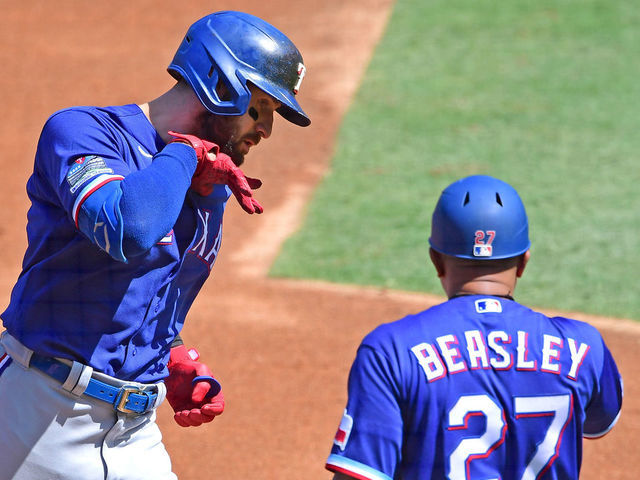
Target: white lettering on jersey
(505,361)
(215,248)
(451,354)
(429,360)
(478,355)
(523,352)
(475,446)
(497,351)
(202,243)
(551,354)
(201,248)
(577,357)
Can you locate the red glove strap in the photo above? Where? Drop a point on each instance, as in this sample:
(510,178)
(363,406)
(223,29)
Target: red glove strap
(202,147)
(181,354)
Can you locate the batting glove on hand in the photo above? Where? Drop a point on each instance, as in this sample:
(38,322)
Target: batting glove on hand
(215,167)
(192,392)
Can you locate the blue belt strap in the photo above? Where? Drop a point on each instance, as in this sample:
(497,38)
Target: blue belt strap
(126,399)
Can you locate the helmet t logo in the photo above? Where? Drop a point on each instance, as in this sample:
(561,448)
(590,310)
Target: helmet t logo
(301,73)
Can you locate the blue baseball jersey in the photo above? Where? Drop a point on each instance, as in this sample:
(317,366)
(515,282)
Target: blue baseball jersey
(476,388)
(77,296)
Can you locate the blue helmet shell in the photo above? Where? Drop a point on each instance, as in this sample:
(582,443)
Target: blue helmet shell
(480,217)
(236,48)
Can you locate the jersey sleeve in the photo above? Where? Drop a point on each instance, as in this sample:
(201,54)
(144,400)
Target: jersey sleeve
(603,411)
(121,202)
(368,442)
(77,154)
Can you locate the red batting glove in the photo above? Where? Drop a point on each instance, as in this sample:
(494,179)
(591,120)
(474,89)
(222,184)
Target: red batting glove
(191,404)
(215,167)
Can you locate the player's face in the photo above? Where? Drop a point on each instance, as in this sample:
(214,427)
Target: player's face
(236,134)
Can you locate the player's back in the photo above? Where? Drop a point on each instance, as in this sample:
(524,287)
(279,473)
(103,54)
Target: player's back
(481,387)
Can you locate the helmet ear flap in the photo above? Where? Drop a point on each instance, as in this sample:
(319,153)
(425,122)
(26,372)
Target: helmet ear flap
(221,90)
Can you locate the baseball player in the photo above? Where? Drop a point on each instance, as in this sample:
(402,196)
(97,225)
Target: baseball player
(480,386)
(124,228)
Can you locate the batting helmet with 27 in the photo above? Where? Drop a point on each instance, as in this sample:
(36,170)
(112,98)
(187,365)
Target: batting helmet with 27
(480,217)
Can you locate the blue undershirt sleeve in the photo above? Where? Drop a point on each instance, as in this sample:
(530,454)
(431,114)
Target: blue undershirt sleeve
(152,198)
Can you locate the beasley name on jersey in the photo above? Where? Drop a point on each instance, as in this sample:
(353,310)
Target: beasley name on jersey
(497,350)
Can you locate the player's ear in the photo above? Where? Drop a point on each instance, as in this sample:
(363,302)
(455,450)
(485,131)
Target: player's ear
(436,259)
(522,263)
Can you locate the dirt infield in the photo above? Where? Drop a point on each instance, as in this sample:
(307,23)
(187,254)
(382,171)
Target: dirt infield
(281,348)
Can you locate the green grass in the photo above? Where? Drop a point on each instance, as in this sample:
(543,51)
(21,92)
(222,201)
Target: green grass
(544,95)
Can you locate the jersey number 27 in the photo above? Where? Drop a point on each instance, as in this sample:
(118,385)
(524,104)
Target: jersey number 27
(558,406)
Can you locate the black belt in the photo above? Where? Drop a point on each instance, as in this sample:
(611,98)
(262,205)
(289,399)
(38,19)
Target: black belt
(125,399)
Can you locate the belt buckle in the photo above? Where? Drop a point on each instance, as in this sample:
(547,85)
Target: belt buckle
(123,398)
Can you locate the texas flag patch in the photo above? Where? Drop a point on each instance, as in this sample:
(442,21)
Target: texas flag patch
(344,430)
(488,305)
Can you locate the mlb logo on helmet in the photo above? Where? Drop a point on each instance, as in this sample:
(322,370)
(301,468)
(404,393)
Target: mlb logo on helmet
(344,430)
(480,250)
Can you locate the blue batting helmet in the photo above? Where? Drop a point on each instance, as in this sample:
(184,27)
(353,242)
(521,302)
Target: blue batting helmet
(235,48)
(480,217)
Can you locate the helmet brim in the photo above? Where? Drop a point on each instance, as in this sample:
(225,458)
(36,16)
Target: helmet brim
(294,116)
(290,109)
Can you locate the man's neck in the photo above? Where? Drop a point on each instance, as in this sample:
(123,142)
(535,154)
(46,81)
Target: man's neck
(175,110)
(492,285)
(145,109)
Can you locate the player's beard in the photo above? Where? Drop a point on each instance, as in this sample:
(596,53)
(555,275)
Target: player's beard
(223,130)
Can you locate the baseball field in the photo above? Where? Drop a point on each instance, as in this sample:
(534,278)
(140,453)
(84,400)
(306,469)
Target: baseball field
(281,339)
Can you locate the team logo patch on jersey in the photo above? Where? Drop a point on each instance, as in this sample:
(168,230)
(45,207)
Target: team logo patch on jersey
(344,430)
(488,305)
(85,168)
